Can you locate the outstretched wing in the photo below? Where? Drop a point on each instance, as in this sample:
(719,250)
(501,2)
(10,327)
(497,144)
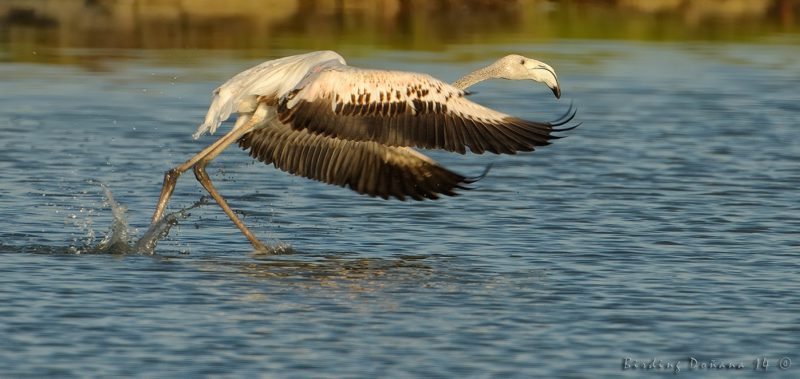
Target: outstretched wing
(406,109)
(367,167)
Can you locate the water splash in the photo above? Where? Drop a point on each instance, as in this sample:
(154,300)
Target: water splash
(280,248)
(120,238)
(117,240)
(160,229)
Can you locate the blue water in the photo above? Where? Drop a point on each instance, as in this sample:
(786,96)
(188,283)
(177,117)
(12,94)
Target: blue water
(666,227)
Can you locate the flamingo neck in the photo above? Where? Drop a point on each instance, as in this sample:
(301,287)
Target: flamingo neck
(476,76)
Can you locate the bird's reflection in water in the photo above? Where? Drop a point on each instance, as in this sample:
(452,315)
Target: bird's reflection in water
(340,269)
(349,273)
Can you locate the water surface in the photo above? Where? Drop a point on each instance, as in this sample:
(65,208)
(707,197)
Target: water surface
(665,227)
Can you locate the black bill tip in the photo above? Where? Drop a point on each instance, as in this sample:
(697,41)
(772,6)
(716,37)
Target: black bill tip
(556,91)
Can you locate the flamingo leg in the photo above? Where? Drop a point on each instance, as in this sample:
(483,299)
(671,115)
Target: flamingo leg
(199,161)
(171,178)
(205,181)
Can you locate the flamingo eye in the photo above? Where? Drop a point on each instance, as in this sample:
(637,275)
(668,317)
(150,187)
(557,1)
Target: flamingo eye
(522,61)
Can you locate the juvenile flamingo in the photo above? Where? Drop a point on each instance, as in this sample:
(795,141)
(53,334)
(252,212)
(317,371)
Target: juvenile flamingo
(314,116)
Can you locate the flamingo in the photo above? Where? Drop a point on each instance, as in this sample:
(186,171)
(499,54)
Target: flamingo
(314,116)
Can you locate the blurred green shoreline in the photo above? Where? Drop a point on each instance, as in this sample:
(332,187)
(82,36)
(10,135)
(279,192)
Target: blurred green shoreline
(396,24)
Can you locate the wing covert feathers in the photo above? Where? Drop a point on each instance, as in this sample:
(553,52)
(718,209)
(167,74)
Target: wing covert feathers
(406,109)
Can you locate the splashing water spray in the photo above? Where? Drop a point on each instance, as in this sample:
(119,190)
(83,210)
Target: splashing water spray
(119,239)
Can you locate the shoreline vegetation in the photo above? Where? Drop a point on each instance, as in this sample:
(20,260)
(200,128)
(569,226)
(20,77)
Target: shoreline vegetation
(396,24)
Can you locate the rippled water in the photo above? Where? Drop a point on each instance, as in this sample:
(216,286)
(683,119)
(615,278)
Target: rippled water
(665,227)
